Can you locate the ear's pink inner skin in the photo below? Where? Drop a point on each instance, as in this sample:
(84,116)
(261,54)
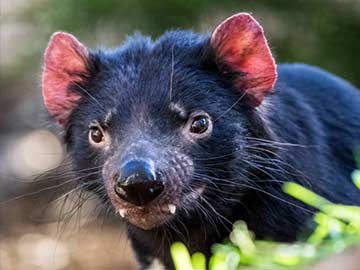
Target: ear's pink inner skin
(240,43)
(65,61)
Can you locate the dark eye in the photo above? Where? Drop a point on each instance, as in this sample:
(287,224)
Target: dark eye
(96,135)
(200,124)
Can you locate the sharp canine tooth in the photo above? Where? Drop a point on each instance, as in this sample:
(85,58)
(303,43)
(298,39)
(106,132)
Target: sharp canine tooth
(122,212)
(172,208)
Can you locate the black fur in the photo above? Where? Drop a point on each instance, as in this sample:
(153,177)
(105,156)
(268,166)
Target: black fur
(305,132)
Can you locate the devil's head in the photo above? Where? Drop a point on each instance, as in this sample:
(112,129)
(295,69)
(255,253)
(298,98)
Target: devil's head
(162,123)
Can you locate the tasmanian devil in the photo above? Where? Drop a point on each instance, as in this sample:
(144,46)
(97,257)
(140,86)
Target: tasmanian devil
(186,134)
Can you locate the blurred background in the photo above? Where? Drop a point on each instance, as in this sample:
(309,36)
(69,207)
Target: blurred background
(39,227)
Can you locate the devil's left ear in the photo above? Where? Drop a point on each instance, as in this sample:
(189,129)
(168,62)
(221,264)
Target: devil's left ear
(65,64)
(241,47)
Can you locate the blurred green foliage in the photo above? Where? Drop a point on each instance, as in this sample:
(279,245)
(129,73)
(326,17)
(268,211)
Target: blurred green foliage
(337,227)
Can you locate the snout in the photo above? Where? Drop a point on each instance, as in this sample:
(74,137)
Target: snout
(146,185)
(137,183)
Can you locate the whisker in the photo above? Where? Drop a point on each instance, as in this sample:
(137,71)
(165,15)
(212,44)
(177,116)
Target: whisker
(279,143)
(172,73)
(231,107)
(44,189)
(91,96)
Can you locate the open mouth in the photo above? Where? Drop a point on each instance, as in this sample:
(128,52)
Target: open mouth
(147,197)
(157,212)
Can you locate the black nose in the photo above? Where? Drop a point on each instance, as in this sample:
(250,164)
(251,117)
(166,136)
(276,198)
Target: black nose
(137,183)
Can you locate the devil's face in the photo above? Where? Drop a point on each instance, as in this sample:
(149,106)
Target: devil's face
(161,124)
(157,141)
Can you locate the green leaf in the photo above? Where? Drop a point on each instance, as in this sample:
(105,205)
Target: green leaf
(242,238)
(198,261)
(218,262)
(345,212)
(181,257)
(305,195)
(288,255)
(356,178)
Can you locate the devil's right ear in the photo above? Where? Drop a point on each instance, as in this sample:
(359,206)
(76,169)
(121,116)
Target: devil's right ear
(66,63)
(240,46)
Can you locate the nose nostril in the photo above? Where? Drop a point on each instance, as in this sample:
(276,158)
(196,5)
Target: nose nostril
(140,193)
(156,188)
(137,183)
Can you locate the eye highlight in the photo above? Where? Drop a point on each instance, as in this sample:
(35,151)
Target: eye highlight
(199,125)
(97,136)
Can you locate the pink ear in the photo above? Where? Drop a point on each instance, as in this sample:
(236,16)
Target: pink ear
(240,44)
(65,63)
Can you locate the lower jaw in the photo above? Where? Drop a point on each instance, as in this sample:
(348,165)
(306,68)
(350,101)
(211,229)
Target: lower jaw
(148,218)
(148,222)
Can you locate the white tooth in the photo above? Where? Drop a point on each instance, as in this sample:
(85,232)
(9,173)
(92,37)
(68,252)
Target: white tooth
(172,208)
(122,212)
